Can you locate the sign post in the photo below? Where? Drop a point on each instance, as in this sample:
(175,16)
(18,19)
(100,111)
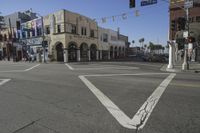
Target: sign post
(148,2)
(188,4)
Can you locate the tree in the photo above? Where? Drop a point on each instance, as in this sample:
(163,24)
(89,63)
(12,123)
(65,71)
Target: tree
(133,42)
(141,41)
(151,46)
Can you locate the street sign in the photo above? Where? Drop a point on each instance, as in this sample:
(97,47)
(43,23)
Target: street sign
(188,4)
(148,2)
(185,34)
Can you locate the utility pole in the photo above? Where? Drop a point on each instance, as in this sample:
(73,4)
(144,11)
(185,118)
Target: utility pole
(11,35)
(188,4)
(185,65)
(43,37)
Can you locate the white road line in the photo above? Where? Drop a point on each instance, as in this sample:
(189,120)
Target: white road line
(4,81)
(31,68)
(100,68)
(134,63)
(145,111)
(119,115)
(109,75)
(106,68)
(70,67)
(141,117)
(20,70)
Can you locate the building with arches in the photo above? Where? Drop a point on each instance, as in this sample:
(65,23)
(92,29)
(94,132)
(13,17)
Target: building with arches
(72,37)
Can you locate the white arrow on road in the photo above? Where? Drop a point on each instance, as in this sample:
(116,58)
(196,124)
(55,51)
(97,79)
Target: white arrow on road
(140,118)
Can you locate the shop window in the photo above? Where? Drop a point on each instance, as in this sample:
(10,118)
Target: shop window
(58,28)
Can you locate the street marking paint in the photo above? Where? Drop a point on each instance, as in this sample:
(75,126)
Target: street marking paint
(110,75)
(140,118)
(70,67)
(20,70)
(31,68)
(100,68)
(186,85)
(3,81)
(136,63)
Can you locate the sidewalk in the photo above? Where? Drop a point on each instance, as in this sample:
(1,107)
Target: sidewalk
(194,67)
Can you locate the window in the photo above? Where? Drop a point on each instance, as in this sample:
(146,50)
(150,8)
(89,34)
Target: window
(1,37)
(83,31)
(58,28)
(5,37)
(73,29)
(33,32)
(10,36)
(92,33)
(39,31)
(28,34)
(191,19)
(105,37)
(23,34)
(47,29)
(18,35)
(197,18)
(113,38)
(18,25)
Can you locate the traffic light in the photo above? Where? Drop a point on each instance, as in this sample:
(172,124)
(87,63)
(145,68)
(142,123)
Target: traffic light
(173,25)
(132,3)
(181,23)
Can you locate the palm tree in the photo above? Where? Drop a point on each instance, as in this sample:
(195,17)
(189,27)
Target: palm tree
(133,41)
(151,46)
(141,41)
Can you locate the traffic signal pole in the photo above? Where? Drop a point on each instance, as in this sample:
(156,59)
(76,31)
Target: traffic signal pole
(43,37)
(185,65)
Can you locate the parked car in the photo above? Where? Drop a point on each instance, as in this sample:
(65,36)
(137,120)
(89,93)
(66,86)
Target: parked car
(155,58)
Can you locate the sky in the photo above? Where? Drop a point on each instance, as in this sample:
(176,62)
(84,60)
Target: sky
(152,24)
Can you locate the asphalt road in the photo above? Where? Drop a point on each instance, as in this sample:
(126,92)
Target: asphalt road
(100,97)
